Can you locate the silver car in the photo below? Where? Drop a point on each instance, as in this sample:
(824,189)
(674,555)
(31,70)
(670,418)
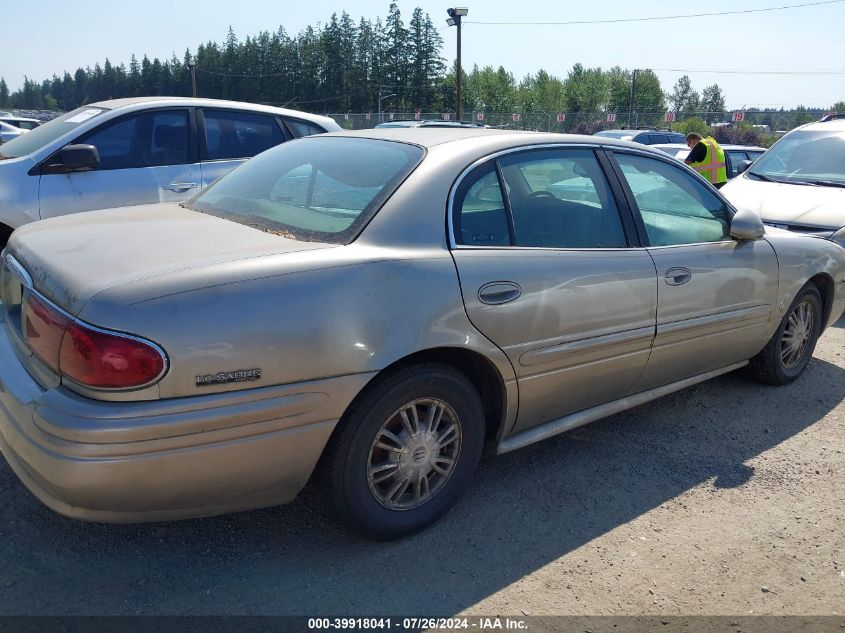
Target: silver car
(135,151)
(368,308)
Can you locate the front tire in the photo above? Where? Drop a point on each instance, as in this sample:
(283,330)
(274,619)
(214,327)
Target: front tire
(406,450)
(788,352)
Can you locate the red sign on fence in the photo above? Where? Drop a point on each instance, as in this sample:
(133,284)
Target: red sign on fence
(479,116)
(738,116)
(611,117)
(516,116)
(669,117)
(561,117)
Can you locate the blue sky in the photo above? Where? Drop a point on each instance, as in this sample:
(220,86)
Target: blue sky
(63,35)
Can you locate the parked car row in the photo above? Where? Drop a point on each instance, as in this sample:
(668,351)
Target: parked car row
(368,308)
(738,157)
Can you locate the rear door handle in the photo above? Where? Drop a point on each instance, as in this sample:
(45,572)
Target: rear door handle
(179,187)
(499,292)
(678,276)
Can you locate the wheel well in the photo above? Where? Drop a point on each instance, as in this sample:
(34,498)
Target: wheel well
(5,232)
(484,376)
(824,283)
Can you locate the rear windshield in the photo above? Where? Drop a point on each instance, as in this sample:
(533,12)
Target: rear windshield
(44,134)
(314,189)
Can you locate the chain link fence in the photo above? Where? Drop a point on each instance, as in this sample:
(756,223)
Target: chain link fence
(590,122)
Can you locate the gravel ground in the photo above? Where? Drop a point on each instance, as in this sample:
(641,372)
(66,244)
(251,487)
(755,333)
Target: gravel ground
(726,498)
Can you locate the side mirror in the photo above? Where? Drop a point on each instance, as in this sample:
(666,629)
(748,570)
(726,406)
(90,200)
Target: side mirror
(76,157)
(743,166)
(747,225)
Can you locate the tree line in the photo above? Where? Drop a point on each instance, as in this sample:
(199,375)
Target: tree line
(346,66)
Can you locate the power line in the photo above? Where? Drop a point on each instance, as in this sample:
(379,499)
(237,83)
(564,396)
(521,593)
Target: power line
(752,72)
(658,17)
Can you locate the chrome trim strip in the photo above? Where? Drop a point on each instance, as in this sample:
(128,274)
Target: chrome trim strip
(547,354)
(574,420)
(495,155)
(15,267)
(26,279)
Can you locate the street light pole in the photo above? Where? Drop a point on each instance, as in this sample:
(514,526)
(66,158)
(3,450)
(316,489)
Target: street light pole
(380,97)
(455,16)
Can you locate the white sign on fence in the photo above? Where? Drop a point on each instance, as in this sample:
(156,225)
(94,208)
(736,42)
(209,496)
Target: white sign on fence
(368,115)
(446,116)
(417,114)
(479,116)
(669,117)
(611,117)
(516,116)
(738,116)
(561,117)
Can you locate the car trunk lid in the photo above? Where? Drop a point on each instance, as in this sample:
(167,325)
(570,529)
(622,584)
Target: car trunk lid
(73,258)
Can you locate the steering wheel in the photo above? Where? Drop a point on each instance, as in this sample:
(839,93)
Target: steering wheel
(541,194)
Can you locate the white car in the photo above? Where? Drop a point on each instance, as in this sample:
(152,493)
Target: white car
(739,157)
(20,122)
(143,150)
(9,132)
(799,184)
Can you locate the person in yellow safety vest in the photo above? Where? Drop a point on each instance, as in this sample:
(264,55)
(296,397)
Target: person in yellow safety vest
(707,158)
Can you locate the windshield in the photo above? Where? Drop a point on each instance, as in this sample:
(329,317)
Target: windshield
(44,134)
(805,156)
(316,189)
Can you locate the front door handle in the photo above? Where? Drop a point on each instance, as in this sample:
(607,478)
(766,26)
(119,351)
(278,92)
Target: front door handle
(179,187)
(498,292)
(678,276)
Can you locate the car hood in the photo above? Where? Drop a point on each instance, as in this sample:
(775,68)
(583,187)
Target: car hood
(802,205)
(73,258)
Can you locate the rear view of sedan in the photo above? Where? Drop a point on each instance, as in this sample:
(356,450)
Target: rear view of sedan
(369,308)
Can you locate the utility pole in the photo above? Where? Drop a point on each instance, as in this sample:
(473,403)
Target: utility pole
(455,16)
(193,68)
(631,99)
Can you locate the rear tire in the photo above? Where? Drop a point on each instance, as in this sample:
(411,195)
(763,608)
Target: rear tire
(788,352)
(406,450)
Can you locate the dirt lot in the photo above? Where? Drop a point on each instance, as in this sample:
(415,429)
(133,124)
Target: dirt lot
(727,498)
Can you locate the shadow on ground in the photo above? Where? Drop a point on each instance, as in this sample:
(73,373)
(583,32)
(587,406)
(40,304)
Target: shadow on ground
(525,510)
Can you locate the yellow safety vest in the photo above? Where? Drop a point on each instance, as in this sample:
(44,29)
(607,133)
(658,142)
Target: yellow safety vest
(713,167)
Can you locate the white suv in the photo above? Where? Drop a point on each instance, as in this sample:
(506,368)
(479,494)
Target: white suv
(136,151)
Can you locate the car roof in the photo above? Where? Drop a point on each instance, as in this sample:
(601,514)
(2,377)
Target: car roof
(113,104)
(12,117)
(835,125)
(680,146)
(432,136)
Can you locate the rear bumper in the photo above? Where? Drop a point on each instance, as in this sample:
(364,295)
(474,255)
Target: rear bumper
(165,459)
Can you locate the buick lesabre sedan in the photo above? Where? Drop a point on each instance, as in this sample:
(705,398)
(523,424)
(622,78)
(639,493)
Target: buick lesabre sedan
(368,308)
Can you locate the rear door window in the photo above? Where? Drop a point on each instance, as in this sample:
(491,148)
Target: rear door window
(230,134)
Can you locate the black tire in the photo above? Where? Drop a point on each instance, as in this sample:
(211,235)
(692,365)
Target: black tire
(351,450)
(768,366)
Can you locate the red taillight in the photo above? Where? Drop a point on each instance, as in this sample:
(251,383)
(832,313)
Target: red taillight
(107,361)
(45,328)
(91,357)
